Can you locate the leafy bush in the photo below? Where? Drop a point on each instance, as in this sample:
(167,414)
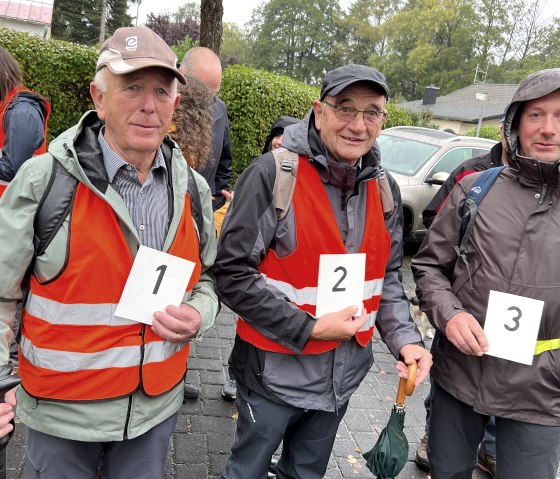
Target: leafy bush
(58,70)
(398,117)
(255,99)
(486,131)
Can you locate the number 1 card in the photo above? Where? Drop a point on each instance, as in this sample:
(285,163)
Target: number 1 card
(341,282)
(155,281)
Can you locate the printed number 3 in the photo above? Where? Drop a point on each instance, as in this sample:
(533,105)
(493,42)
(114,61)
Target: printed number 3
(161,270)
(336,287)
(515,319)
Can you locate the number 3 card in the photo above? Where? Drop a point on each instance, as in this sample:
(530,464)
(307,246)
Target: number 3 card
(155,281)
(511,327)
(341,282)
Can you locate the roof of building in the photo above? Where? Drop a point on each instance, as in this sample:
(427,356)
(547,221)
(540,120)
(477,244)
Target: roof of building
(36,11)
(462,105)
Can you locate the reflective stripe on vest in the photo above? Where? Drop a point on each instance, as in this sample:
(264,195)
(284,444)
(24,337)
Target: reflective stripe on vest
(73,347)
(3,107)
(317,233)
(547,345)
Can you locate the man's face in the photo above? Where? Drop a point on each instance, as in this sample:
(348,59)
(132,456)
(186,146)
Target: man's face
(348,141)
(276,142)
(137,109)
(539,128)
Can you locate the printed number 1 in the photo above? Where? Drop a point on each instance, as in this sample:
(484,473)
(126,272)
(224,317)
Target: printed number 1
(336,287)
(161,270)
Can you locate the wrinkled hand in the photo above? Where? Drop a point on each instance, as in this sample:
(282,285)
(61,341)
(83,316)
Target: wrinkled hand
(7,413)
(466,334)
(177,324)
(339,326)
(411,353)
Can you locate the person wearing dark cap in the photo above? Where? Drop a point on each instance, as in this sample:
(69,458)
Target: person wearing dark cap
(295,370)
(274,138)
(99,389)
(496,307)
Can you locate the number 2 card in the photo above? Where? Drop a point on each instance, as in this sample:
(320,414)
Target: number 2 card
(341,282)
(156,280)
(512,325)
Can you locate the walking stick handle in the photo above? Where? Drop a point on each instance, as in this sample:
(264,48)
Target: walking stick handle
(406,386)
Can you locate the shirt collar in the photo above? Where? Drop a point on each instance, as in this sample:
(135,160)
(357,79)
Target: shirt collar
(113,162)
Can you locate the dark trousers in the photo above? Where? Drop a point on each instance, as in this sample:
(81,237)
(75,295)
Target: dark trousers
(51,457)
(307,438)
(523,450)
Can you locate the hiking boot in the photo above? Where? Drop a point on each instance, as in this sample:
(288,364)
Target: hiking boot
(486,462)
(422,454)
(229,391)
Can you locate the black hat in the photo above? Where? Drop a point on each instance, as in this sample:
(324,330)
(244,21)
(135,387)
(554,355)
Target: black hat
(338,79)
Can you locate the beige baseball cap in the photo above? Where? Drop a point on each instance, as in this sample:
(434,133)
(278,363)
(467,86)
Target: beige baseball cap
(134,48)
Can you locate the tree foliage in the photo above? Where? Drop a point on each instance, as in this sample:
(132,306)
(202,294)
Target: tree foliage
(79,20)
(174,29)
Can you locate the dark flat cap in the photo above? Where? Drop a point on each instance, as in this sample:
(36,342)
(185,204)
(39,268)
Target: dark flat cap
(338,79)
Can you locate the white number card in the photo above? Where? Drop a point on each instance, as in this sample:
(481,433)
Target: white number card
(155,281)
(511,327)
(341,282)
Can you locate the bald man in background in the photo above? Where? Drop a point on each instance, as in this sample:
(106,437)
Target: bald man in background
(204,64)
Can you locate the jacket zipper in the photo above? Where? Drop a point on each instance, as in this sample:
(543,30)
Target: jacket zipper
(129,409)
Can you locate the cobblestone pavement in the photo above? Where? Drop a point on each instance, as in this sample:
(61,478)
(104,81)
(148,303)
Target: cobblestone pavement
(201,443)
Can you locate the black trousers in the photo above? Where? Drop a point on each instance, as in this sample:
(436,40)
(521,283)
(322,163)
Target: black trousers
(307,438)
(523,450)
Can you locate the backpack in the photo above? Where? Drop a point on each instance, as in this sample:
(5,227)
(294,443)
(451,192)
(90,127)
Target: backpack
(285,183)
(470,209)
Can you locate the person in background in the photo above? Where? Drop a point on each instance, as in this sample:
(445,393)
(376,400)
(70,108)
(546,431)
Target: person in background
(204,64)
(295,371)
(98,388)
(274,138)
(24,117)
(512,250)
(497,156)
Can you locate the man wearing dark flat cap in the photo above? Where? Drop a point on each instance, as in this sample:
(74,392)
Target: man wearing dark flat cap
(296,369)
(100,393)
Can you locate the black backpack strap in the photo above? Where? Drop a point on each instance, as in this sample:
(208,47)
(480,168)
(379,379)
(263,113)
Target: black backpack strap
(470,209)
(196,205)
(285,180)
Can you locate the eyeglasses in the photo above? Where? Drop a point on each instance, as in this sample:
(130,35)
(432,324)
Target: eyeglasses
(346,113)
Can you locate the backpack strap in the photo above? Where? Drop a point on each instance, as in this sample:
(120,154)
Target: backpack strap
(54,206)
(285,181)
(470,209)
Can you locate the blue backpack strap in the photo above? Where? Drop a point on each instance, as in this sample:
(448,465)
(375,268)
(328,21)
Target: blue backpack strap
(470,209)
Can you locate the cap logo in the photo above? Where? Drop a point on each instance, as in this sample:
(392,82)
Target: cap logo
(131,43)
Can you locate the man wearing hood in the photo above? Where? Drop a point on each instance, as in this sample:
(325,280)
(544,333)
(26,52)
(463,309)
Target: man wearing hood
(295,371)
(513,249)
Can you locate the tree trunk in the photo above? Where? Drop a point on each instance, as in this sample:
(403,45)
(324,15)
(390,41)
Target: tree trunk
(211,12)
(103,21)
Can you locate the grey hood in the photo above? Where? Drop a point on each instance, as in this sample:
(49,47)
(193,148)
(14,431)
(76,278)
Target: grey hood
(535,86)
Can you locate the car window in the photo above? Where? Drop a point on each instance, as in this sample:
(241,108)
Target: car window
(453,158)
(402,155)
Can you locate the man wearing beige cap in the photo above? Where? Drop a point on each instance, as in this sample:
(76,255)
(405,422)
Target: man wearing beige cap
(100,391)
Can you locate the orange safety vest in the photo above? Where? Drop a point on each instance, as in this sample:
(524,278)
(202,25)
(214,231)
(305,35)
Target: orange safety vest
(72,347)
(4,107)
(317,233)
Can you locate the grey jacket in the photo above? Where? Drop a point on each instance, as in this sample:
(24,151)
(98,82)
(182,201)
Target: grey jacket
(513,249)
(320,381)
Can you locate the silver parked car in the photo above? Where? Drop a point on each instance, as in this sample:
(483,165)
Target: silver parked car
(420,160)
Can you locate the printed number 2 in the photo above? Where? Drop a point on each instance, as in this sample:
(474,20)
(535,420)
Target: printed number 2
(161,270)
(336,287)
(515,319)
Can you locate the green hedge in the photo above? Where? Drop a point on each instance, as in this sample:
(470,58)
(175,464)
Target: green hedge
(60,71)
(486,131)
